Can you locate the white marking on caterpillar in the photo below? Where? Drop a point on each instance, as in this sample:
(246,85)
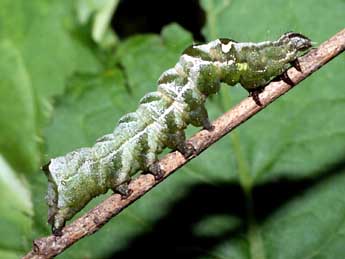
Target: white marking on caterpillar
(208,46)
(226,47)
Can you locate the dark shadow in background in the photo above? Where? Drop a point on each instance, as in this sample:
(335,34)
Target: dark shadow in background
(173,237)
(144,16)
(271,196)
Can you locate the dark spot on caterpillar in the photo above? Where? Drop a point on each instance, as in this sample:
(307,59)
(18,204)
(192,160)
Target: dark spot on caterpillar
(196,52)
(45,168)
(226,41)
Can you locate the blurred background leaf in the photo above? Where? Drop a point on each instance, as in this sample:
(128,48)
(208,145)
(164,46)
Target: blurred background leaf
(100,13)
(18,122)
(15,212)
(66,77)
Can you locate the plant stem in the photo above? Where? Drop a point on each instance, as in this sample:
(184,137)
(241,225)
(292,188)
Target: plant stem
(256,246)
(243,167)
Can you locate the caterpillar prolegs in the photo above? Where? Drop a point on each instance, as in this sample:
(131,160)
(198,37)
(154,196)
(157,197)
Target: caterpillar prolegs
(162,116)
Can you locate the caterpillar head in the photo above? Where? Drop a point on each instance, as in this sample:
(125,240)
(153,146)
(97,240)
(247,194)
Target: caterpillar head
(260,63)
(296,41)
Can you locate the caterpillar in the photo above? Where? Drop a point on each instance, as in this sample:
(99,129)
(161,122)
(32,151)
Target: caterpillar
(159,122)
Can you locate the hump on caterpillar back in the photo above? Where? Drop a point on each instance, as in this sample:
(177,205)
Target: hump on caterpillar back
(196,52)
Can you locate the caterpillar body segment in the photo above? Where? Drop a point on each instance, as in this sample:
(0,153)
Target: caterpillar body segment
(161,118)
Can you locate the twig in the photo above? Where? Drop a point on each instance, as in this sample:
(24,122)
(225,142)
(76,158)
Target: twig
(89,223)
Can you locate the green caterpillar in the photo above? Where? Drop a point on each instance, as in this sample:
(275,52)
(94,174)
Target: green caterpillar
(162,116)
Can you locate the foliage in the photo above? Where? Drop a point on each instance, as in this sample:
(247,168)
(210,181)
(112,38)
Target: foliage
(60,90)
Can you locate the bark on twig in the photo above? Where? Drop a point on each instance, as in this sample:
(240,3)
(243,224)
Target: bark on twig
(47,247)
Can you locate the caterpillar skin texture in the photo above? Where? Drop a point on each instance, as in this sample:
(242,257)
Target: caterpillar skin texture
(162,116)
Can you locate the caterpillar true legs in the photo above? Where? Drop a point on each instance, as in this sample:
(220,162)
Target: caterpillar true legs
(159,122)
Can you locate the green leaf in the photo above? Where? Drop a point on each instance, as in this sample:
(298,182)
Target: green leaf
(15,212)
(135,53)
(50,44)
(317,218)
(101,13)
(310,225)
(18,134)
(89,109)
(9,255)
